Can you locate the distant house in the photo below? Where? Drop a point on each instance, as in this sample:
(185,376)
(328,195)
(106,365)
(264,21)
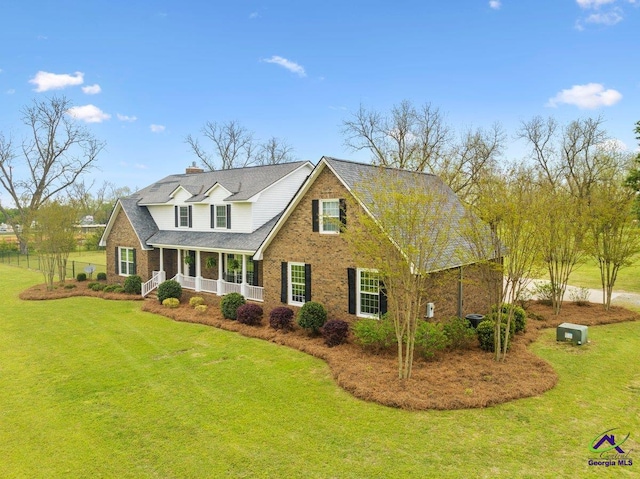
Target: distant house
(263,232)
(201,227)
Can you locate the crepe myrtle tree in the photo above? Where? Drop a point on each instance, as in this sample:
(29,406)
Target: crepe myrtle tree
(55,154)
(402,230)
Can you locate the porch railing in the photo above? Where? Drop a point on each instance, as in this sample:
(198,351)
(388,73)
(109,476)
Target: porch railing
(231,288)
(254,293)
(157,277)
(209,285)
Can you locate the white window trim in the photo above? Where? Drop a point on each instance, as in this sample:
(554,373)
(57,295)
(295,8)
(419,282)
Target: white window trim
(226,221)
(290,284)
(180,225)
(359,312)
(120,249)
(321,216)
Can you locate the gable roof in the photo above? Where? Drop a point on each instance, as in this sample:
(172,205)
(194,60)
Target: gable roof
(141,221)
(242,183)
(351,173)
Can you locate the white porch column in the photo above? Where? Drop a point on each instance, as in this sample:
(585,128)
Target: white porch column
(198,272)
(244,286)
(219,293)
(161,259)
(179,261)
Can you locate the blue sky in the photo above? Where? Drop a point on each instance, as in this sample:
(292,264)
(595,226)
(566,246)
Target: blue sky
(145,74)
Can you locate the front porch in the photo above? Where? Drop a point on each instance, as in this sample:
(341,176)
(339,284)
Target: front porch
(236,273)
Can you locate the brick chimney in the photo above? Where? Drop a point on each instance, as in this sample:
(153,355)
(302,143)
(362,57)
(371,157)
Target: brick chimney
(193,169)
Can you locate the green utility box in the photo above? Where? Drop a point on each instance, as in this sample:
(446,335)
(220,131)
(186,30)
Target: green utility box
(575,333)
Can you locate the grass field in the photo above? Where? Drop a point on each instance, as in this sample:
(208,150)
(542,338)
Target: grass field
(94,388)
(587,275)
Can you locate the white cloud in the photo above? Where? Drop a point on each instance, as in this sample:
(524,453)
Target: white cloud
(589,96)
(593,3)
(157,128)
(253,15)
(609,18)
(10,91)
(88,113)
(130,119)
(92,89)
(140,166)
(495,4)
(288,64)
(46,81)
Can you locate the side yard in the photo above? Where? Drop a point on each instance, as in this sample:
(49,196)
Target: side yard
(95,388)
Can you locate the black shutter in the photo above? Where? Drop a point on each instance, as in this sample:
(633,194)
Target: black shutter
(117,261)
(213,215)
(176,214)
(255,272)
(343,212)
(228,217)
(315,219)
(307,282)
(135,264)
(382,299)
(351,279)
(283,282)
(190,217)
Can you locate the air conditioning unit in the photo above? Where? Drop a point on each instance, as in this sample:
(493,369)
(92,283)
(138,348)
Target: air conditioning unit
(575,333)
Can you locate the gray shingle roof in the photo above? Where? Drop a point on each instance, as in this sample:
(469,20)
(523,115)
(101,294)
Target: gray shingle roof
(140,219)
(458,249)
(243,183)
(214,239)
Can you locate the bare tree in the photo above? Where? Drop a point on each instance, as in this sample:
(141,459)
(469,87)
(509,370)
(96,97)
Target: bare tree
(419,139)
(274,151)
(56,154)
(234,146)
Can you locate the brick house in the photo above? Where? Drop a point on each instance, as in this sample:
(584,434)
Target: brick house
(271,233)
(305,258)
(202,228)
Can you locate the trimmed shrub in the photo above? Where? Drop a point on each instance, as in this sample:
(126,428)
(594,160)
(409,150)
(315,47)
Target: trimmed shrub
(91,284)
(196,301)
(250,314)
(111,288)
(230,304)
(430,339)
(544,292)
(485,332)
(169,289)
(118,289)
(69,286)
(459,332)
(281,318)
(374,334)
(133,284)
(200,308)
(312,316)
(81,277)
(519,321)
(97,286)
(580,296)
(335,332)
(171,302)
(102,276)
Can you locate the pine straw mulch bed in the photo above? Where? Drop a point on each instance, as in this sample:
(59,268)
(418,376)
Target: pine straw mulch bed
(453,380)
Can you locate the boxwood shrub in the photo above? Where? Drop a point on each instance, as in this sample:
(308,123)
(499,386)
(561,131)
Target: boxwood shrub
(230,304)
(281,318)
(459,332)
(169,289)
(171,302)
(81,277)
(250,314)
(312,316)
(374,334)
(196,301)
(519,316)
(102,276)
(430,338)
(486,336)
(133,284)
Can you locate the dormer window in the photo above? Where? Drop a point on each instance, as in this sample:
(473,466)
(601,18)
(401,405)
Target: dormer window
(183,216)
(221,216)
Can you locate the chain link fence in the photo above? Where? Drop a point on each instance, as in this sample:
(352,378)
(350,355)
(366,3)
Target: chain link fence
(34,261)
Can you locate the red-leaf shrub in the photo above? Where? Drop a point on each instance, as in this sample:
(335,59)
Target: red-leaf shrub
(281,318)
(334,332)
(250,314)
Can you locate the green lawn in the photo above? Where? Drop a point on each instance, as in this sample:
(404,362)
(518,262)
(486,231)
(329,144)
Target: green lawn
(92,388)
(588,276)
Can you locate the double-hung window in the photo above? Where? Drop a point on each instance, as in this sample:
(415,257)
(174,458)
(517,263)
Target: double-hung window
(126,261)
(368,293)
(297,284)
(184,216)
(221,216)
(330,216)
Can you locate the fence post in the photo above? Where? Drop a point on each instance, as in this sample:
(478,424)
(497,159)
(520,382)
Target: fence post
(73,269)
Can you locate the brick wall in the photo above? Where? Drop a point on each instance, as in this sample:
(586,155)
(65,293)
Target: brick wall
(330,256)
(122,235)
